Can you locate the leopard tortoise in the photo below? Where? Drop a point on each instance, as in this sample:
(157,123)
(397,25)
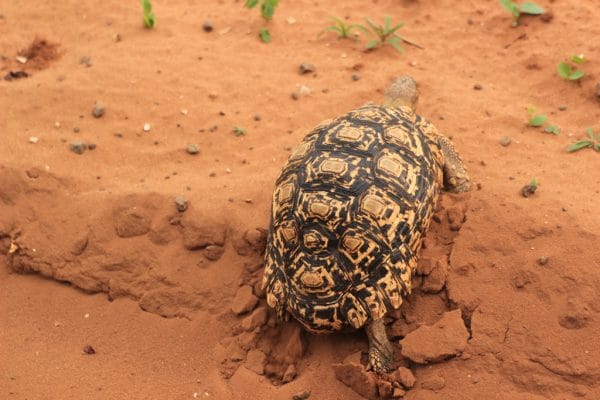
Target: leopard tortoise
(349,213)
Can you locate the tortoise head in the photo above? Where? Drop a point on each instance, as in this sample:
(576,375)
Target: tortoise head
(402,92)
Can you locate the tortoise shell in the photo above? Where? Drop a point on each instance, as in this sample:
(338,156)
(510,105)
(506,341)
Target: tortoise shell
(349,213)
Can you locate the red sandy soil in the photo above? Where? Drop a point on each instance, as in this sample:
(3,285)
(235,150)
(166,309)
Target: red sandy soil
(152,289)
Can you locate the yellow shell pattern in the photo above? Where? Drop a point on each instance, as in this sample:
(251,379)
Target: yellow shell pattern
(349,212)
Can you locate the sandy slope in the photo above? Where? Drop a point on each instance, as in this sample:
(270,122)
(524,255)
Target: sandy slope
(106,222)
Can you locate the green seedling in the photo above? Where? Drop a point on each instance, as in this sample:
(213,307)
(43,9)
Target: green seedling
(239,131)
(267,10)
(516,10)
(385,34)
(571,72)
(553,129)
(536,120)
(149,18)
(530,188)
(342,29)
(585,143)
(265,35)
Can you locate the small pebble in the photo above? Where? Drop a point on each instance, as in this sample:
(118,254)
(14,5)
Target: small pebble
(291,20)
(184,111)
(116,37)
(76,129)
(257,117)
(562,107)
(355,77)
(34,139)
(295,95)
(77,147)
(192,149)
(543,260)
(146,127)
(306,68)
(505,141)
(477,86)
(89,350)
(21,59)
(85,60)
(91,146)
(98,110)
(598,90)
(57,124)
(181,203)
(207,26)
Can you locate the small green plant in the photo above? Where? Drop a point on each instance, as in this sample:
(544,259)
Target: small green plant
(571,72)
(535,120)
(342,29)
(585,143)
(149,18)
(553,129)
(530,188)
(267,10)
(385,34)
(239,131)
(516,10)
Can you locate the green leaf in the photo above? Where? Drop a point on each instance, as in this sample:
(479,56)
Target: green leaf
(564,70)
(509,6)
(555,130)
(251,3)
(148,15)
(597,147)
(534,183)
(578,59)
(373,43)
(531,8)
(530,110)
(264,35)
(395,42)
(576,75)
(590,133)
(386,23)
(582,144)
(538,120)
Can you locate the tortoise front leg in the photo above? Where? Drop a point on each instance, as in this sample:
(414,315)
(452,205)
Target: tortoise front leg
(381,351)
(456,178)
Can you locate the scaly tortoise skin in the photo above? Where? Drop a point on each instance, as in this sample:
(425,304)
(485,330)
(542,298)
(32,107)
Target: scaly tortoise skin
(348,217)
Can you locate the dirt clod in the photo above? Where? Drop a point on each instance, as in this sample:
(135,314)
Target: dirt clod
(89,350)
(302,395)
(192,149)
(505,141)
(244,300)
(428,344)
(357,378)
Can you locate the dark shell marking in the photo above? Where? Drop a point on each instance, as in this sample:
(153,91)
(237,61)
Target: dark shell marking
(349,212)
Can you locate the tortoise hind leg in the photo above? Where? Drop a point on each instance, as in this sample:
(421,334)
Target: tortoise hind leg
(381,351)
(456,179)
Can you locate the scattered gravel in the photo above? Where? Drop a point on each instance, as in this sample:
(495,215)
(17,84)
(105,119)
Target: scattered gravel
(98,110)
(192,149)
(181,203)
